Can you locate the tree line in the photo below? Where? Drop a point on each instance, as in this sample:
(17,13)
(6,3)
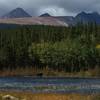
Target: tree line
(69,49)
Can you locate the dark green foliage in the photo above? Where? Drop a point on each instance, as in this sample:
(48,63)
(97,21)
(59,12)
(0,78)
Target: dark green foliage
(60,48)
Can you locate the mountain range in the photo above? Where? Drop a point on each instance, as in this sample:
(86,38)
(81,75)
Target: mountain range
(20,16)
(17,13)
(88,17)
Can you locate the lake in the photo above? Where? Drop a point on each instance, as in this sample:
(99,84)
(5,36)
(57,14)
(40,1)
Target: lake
(50,85)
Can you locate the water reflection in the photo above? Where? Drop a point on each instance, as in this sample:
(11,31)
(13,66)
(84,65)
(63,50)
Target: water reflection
(62,85)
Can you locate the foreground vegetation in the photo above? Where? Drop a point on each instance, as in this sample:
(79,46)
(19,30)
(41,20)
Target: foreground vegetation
(30,96)
(50,49)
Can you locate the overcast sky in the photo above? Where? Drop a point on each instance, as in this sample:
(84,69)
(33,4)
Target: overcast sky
(54,7)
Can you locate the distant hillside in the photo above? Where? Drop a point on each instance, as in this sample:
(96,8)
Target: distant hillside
(34,21)
(81,17)
(67,19)
(45,15)
(88,17)
(16,13)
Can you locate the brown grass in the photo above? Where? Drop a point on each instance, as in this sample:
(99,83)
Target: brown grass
(30,96)
(33,71)
(34,21)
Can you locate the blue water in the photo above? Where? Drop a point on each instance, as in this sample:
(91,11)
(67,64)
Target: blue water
(50,85)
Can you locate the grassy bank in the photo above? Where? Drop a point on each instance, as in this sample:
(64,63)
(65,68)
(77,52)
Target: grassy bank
(30,96)
(49,73)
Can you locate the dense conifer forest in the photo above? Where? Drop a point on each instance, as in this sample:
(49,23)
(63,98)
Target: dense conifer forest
(69,49)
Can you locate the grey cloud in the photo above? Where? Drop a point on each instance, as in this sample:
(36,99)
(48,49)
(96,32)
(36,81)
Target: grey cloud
(54,7)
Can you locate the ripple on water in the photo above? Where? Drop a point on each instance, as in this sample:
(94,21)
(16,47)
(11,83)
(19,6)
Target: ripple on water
(66,85)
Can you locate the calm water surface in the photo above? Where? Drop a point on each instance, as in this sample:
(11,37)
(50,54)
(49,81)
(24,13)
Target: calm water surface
(50,85)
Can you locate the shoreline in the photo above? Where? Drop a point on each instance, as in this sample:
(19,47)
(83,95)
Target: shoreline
(45,77)
(50,96)
(57,75)
(31,72)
